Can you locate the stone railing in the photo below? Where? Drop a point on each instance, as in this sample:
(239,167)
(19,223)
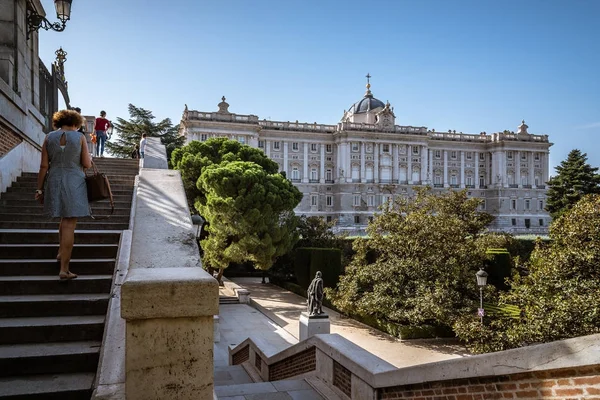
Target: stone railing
(558,370)
(167,300)
(460,137)
(222,117)
(297,126)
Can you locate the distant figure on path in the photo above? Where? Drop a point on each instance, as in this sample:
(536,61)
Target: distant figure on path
(136,152)
(143,145)
(88,135)
(61,181)
(101,126)
(315,295)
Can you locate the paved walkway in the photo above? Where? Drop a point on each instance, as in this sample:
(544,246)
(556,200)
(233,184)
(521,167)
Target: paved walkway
(284,308)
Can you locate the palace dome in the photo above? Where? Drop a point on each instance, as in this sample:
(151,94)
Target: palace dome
(367,103)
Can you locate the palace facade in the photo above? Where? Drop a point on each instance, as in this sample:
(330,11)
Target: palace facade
(348,170)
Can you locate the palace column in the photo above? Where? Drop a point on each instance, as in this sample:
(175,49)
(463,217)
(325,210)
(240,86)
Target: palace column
(305,164)
(322,172)
(518,169)
(363,177)
(476,157)
(285,159)
(503,168)
(339,163)
(462,169)
(430,166)
(531,157)
(545,159)
(424,153)
(395,163)
(409,159)
(268,148)
(376,166)
(445,168)
(348,161)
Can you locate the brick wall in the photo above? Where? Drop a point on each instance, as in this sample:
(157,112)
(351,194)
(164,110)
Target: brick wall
(342,378)
(299,363)
(570,383)
(241,356)
(8,139)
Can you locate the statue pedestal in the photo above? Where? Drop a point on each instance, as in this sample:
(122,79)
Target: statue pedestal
(312,325)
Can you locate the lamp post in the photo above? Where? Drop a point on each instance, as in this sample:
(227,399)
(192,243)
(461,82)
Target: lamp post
(36,21)
(481,282)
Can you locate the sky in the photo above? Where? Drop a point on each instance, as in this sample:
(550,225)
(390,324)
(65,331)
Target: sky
(465,65)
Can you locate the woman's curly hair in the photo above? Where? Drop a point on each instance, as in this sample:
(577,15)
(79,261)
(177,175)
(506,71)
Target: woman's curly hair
(67,118)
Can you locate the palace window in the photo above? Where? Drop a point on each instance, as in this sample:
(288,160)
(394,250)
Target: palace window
(355,147)
(328,175)
(242,139)
(524,180)
(438,180)
(482,205)
(357,219)
(313,147)
(513,204)
(537,157)
(329,218)
(527,204)
(313,200)
(370,200)
(453,155)
(453,180)
(509,155)
(313,174)
(386,148)
(329,201)
(541,205)
(527,223)
(261,144)
(295,146)
(438,154)
(513,222)
(481,181)
(276,145)
(541,221)
(481,156)
(415,150)
(537,181)
(328,148)
(469,180)
(469,155)
(295,174)
(204,137)
(356,200)
(523,156)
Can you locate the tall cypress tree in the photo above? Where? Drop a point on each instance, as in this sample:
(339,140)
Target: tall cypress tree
(575,178)
(140,122)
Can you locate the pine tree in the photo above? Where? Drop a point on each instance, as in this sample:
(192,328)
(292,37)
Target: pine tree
(140,122)
(575,178)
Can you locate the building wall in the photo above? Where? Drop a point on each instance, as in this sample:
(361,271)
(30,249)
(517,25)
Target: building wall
(347,171)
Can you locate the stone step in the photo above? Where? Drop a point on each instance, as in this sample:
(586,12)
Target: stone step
(44,387)
(51,329)
(103,224)
(43,218)
(50,284)
(292,388)
(51,236)
(31,267)
(49,358)
(44,305)
(228,300)
(28,196)
(45,251)
(33,179)
(121,189)
(96,209)
(27,201)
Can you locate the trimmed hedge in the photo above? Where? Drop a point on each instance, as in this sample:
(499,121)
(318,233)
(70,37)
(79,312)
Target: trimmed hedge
(499,268)
(309,260)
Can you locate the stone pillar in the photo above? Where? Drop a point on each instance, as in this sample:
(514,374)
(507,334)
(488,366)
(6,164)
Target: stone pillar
(363,171)
(285,159)
(305,164)
(462,169)
(339,163)
(430,167)
(409,159)
(495,170)
(545,160)
(322,171)
(348,159)
(445,168)
(376,163)
(531,159)
(476,157)
(518,168)
(503,168)
(395,176)
(424,165)
(169,333)
(268,148)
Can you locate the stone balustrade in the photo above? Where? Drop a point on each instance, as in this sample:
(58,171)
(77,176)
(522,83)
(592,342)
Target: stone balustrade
(558,370)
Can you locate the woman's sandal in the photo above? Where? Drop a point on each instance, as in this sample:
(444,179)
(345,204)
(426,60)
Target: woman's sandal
(67,275)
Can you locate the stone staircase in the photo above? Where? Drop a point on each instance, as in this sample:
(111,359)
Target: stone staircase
(50,330)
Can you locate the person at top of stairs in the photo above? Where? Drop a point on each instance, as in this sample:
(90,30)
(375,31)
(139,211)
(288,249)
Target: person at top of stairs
(61,181)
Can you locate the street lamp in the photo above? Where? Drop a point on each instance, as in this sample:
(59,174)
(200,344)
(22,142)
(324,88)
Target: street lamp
(481,282)
(198,221)
(36,21)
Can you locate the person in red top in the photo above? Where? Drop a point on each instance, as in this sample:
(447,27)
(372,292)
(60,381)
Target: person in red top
(101,126)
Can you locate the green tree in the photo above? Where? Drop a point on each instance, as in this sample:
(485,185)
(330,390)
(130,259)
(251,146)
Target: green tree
(317,232)
(246,202)
(419,263)
(558,297)
(250,213)
(140,122)
(575,178)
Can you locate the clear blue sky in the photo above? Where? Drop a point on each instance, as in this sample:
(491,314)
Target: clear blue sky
(472,66)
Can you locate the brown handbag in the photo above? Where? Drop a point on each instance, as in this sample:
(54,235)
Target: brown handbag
(98,188)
